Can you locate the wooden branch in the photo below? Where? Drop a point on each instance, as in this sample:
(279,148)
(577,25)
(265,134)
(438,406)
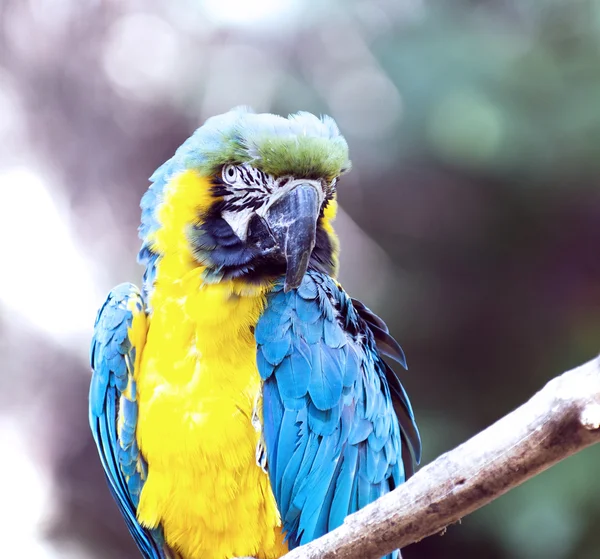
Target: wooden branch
(560,420)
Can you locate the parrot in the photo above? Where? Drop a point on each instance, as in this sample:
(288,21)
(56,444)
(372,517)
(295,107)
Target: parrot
(242,403)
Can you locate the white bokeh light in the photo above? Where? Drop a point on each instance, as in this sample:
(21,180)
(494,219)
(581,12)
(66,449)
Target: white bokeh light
(141,56)
(45,278)
(25,497)
(250,13)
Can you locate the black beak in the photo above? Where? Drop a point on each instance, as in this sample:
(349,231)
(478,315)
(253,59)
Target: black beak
(293,222)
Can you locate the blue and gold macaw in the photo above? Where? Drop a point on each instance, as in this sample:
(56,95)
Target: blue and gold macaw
(240,401)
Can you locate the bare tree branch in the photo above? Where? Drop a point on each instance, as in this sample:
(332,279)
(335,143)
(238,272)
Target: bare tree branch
(561,419)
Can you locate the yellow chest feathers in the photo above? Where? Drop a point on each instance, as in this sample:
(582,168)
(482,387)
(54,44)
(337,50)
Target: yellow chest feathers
(197,389)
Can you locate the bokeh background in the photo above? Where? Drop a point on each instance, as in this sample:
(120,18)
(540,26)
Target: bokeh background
(471,219)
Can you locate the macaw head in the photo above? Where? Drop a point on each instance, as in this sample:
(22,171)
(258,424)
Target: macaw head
(248,196)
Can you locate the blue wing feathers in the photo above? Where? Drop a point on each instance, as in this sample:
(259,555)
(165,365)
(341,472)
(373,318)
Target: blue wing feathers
(361,430)
(275,351)
(306,311)
(286,445)
(322,525)
(341,502)
(385,343)
(112,357)
(311,495)
(334,439)
(294,372)
(324,422)
(272,422)
(308,290)
(333,335)
(291,469)
(352,370)
(263,363)
(325,389)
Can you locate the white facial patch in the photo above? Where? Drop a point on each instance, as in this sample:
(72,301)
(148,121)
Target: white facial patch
(239,220)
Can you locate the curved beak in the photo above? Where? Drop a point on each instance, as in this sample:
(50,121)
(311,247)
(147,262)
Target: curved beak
(292,220)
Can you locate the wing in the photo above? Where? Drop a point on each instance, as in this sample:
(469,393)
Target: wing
(389,347)
(333,431)
(119,336)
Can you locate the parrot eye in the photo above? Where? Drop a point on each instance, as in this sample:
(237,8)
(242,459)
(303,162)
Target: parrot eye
(230,174)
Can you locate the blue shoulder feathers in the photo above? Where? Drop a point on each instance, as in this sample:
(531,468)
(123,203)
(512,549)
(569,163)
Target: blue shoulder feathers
(337,425)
